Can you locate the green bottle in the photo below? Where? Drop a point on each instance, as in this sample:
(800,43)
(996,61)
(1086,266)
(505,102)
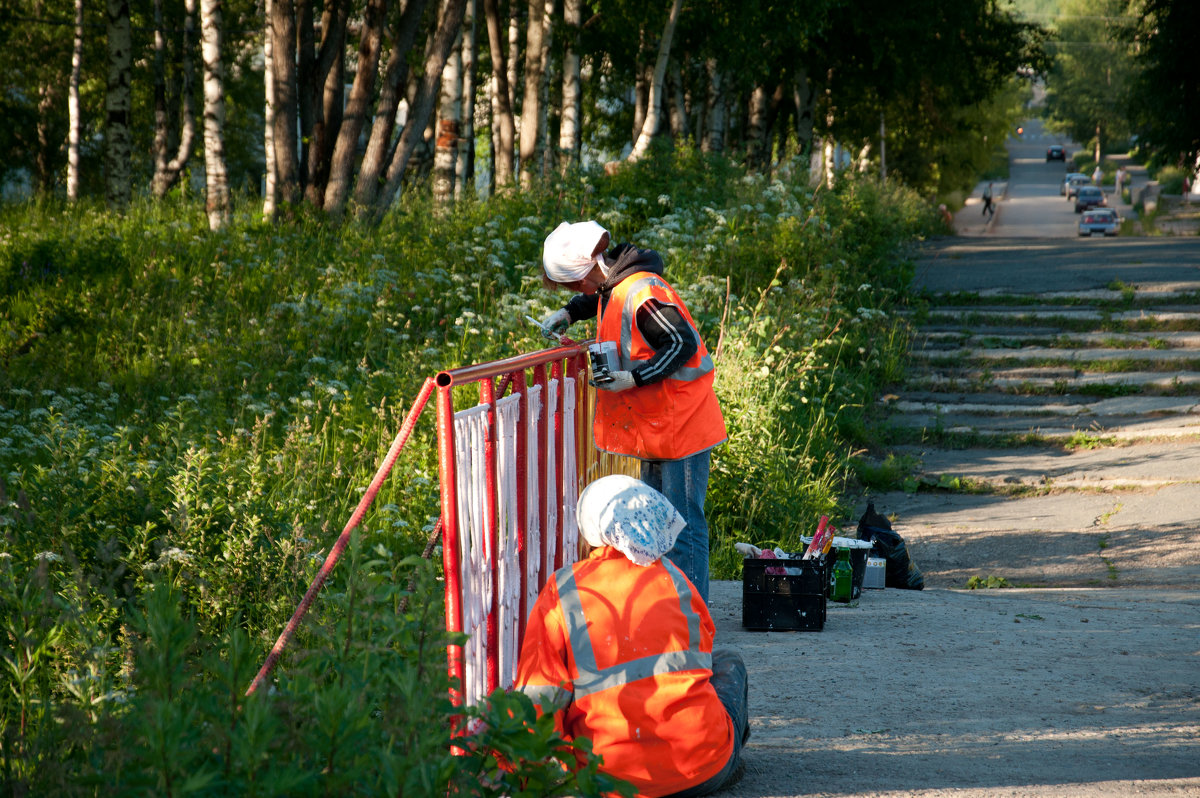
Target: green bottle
(843,576)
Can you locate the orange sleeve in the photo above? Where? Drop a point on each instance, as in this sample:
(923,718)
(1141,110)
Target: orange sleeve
(542,672)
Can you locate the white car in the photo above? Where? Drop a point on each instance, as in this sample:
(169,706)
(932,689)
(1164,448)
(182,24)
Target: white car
(1099,220)
(1072,179)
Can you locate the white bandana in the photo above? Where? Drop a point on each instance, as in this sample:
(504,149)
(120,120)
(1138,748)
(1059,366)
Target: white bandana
(630,516)
(567,252)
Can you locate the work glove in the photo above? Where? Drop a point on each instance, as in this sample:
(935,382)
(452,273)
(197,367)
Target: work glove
(617,381)
(556,323)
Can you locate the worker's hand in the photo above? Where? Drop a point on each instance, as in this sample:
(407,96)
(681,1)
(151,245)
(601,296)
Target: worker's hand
(556,323)
(619,381)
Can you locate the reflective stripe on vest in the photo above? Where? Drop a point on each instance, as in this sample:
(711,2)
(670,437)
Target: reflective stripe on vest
(549,697)
(591,678)
(628,313)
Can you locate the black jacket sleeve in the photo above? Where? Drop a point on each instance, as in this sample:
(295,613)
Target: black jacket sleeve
(674,341)
(582,307)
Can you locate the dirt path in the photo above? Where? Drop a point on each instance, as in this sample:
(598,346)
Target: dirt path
(1060,415)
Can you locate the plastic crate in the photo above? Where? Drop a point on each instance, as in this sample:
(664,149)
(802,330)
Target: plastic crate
(787,601)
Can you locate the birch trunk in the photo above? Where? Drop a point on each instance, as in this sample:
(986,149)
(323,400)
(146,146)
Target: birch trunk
(216,202)
(379,145)
(533,80)
(545,156)
(714,140)
(756,123)
(310,135)
(118,104)
(327,90)
(569,133)
(445,158)
(283,51)
(75,120)
(641,87)
(422,106)
(678,106)
(166,174)
(654,104)
(503,124)
(270,192)
(161,126)
(465,169)
(804,96)
(362,94)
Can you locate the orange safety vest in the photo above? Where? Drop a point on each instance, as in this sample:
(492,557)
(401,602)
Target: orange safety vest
(623,656)
(666,420)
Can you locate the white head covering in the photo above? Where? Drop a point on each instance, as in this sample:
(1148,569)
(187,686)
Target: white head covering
(567,252)
(629,515)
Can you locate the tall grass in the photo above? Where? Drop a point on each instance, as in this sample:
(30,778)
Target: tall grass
(187,419)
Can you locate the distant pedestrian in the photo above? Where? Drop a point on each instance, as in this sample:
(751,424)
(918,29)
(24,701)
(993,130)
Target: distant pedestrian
(1119,181)
(1097,175)
(988,208)
(1187,189)
(947,219)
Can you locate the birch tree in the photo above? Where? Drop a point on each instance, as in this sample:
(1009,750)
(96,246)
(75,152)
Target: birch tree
(118,104)
(358,105)
(465,171)
(322,93)
(284,141)
(379,145)
(168,166)
(449,22)
(654,104)
(216,203)
(503,124)
(569,131)
(74,117)
(445,159)
(270,191)
(534,30)
(714,138)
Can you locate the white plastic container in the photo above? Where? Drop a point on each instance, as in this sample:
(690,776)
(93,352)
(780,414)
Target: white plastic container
(876,576)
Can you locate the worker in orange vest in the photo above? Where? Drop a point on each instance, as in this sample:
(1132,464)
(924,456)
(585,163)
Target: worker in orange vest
(657,404)
(619,647)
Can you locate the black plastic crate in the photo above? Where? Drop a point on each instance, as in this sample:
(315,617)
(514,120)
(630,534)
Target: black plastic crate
(787,601)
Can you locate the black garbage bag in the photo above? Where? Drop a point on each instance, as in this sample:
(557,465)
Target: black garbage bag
(901,571)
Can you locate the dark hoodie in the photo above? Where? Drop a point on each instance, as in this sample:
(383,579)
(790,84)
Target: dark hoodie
(665,329)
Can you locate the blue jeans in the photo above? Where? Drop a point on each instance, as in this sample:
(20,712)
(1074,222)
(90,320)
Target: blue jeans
(729,679)
(685,483)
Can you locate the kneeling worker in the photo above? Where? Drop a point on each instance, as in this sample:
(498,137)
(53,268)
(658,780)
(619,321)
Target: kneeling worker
(619,648)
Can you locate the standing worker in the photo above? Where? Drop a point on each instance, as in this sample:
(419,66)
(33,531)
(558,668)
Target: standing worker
(659,405)
(619,648)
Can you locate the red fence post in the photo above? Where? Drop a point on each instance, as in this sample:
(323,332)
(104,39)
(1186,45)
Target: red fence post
(450,552)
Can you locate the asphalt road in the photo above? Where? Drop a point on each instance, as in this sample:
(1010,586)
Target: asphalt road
(1032,205)
(1021,265)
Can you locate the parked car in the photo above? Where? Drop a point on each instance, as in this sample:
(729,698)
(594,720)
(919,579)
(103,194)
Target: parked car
(1056,152)
(1089,197)
(1078,178)
(1099,220)
(1074,184)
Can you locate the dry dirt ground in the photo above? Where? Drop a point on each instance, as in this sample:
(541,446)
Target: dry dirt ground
(974,694)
